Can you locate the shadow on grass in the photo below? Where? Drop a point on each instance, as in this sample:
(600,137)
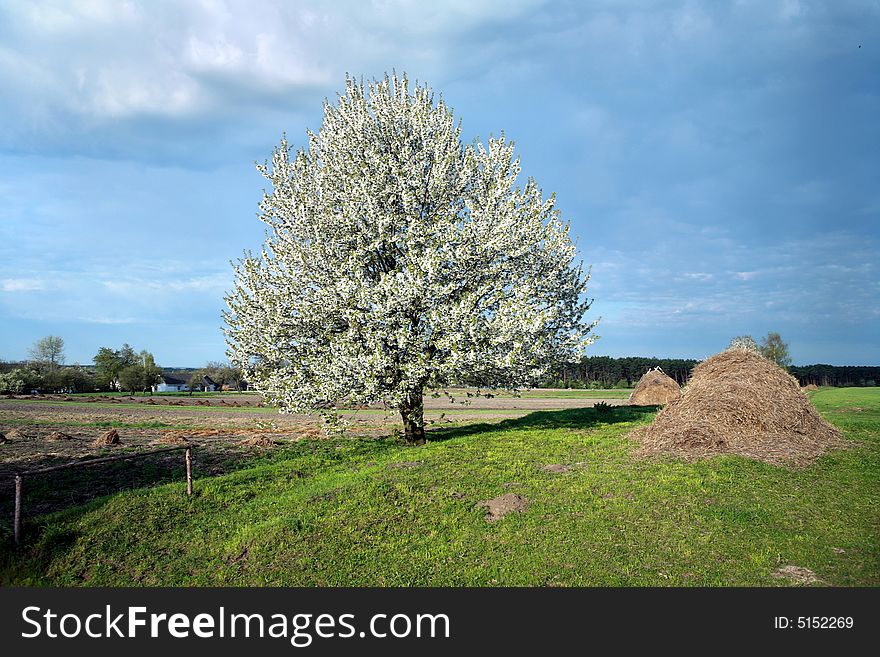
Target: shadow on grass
(574,418)
(39,548)
(53,491)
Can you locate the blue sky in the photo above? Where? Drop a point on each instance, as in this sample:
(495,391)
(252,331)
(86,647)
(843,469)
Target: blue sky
(718,161)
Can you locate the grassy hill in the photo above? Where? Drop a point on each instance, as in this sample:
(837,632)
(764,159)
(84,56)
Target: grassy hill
(374,512)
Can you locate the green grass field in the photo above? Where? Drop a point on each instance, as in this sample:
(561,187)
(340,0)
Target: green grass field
(353,512)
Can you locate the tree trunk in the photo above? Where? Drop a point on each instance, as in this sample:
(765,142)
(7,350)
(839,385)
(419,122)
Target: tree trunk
(412,411)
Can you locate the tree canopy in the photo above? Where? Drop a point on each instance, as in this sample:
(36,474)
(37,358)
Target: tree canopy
(774,348)
(48,351)
(109,363)
(223,374)
(399,258)
(125,368)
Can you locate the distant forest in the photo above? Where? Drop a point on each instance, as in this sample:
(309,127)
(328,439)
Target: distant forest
(608,372)
(591,372)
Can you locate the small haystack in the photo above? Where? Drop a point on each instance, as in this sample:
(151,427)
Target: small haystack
(58,435)
(654,388)
(738,402)
(107,438)
(810,386)
(171,438)
(258,441)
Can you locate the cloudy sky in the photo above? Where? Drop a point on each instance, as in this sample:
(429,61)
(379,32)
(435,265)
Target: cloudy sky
(718,161)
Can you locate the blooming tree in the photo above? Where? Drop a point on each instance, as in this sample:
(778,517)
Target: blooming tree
(397,259)
(746,342)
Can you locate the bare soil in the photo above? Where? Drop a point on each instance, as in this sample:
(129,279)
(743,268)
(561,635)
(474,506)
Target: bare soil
(500,506)
(796,574)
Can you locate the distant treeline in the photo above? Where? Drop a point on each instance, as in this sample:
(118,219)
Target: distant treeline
(836,375)
(608,372)
(591,372)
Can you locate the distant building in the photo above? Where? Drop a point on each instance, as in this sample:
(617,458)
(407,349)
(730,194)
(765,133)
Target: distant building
(179,382)
(169,383)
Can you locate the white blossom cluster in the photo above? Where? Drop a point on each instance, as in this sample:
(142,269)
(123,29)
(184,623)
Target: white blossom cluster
(745,342)
(398,258)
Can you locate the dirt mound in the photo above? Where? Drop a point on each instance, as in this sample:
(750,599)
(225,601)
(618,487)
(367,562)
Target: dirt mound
(797,574)
(107,438)
(810,386)
(498,507)
(258,441)
(738,402)
(654,388)
(58,435)
(171,439)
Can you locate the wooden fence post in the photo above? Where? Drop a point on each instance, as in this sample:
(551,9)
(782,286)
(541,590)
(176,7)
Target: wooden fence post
(189,479)
(17,521)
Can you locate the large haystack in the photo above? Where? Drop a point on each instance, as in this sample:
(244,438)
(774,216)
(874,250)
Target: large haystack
(654,388)
(738,402)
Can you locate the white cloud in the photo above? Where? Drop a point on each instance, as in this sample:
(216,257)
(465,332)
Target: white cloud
(790,9)
(147,294)
(642,289)
(101,60)
(23,284)
(691,22)
(168,281)
(108,320)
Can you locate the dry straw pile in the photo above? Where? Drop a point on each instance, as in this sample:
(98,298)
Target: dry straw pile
(107,438)
(738,402)
(172,438)
(258,441)
(654,388)
(58,435)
